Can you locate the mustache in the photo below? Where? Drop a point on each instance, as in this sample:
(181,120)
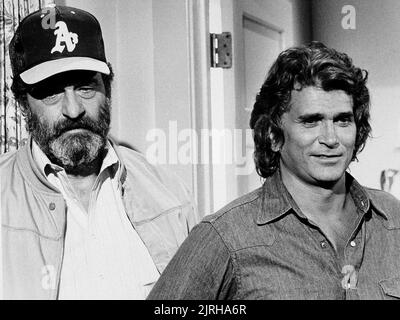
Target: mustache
(82,123)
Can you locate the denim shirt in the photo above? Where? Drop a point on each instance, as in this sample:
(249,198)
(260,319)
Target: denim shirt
(261,246)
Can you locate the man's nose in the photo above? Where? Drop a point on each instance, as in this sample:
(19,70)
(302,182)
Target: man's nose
(72,104)
(328,135)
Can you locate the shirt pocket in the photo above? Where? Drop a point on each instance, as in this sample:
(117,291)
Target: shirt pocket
(391,287)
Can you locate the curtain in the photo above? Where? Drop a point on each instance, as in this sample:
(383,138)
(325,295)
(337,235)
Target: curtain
(13,134)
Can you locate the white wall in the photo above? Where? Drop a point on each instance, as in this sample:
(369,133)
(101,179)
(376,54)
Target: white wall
(374,45)
(135,71)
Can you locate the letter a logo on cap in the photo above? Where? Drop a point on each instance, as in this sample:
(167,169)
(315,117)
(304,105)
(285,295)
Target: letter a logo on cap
(64,36)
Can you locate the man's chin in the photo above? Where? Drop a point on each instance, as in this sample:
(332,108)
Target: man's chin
(78,151)
(83,169)
(329,179)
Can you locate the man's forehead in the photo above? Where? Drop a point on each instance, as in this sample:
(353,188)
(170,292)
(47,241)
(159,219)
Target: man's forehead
(310,100)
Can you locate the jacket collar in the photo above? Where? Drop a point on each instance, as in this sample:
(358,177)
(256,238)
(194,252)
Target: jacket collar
(31,171)
(276,201)
(121,171)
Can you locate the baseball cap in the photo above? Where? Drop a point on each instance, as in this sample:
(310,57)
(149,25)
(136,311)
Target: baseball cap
(56,39)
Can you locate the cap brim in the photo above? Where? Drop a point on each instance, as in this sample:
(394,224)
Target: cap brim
(50,68)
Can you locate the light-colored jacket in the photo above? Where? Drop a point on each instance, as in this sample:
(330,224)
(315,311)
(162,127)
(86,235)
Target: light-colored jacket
(34,219)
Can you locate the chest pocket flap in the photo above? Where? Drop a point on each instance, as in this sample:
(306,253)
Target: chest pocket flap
(391,286)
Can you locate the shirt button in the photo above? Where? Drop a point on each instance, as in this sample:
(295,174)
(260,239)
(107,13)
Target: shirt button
(323,244)
(353,243)
(52,206)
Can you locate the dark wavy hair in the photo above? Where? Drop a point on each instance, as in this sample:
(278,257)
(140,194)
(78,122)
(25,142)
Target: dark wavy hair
(296,68)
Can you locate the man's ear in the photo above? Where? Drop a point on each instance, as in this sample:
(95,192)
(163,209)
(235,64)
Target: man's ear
(275,145)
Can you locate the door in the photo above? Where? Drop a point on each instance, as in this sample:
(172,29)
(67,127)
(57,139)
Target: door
(260,29)
(262,43)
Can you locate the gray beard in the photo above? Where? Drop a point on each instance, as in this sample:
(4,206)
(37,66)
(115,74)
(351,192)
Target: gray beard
(78,153)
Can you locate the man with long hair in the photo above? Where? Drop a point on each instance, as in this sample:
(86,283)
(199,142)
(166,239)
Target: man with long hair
(311,231)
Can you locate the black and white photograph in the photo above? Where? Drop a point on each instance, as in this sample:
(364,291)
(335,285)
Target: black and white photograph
(200,150)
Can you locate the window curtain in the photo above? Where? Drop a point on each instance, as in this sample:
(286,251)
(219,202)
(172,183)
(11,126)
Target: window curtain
(13,134)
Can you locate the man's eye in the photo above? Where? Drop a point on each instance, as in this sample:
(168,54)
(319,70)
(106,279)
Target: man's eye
(309,123)
(344,122)
(86,92)
(52,98)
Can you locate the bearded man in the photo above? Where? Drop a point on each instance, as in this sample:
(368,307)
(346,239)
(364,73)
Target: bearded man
(82,218)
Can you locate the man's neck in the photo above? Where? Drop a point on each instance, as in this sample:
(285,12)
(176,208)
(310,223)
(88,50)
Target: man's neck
(315,201)
(331,209)
(83,186)
(82,180)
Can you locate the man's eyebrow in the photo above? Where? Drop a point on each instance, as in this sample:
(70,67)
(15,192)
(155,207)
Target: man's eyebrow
(316,116)
(348,114)
(309,116)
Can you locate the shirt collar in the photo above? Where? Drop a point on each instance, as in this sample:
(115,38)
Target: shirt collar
(111,159)
(46,167)
(42,161)
(277,201)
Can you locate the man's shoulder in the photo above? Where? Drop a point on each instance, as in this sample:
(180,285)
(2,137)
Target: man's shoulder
(7,158)
(7,161)
(130,156)
(383,199)
(139,168)
(242,206)
(386,203)
(134,161)
(236,223)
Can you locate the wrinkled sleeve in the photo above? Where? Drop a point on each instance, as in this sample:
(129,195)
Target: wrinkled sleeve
(200,270)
